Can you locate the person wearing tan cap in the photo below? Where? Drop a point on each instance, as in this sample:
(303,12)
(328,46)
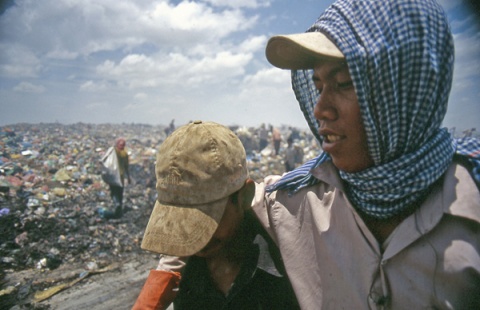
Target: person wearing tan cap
(203,215)
(387,216)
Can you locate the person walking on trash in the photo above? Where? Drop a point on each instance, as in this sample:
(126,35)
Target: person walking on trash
(117,187)
(203,212)
(387,216)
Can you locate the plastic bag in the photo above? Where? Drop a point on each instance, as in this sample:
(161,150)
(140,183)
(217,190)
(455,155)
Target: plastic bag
(110,169)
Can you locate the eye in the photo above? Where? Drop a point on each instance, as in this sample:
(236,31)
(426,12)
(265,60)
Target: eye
(319,87)
(345,85)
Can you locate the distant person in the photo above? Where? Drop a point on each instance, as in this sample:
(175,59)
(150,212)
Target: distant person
(171,127)
(116,191)
(293,155)
(263,137)
(289,156)
(294,133)
(276,139)
(203,213)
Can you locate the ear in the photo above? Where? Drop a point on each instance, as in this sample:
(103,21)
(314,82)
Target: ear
(246,194)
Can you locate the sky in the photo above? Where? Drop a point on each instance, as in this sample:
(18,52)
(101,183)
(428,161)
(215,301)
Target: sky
(151,61)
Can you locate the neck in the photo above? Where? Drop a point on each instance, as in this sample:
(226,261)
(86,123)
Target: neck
(225,265)
(381,228)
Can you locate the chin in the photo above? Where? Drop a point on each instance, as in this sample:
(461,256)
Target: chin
(347,167)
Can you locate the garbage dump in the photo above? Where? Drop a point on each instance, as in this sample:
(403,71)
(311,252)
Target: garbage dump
(51,189)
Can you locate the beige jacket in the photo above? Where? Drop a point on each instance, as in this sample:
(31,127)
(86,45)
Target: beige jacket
(430,261)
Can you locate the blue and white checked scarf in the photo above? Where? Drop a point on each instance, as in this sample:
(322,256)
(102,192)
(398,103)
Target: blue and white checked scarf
(400,56)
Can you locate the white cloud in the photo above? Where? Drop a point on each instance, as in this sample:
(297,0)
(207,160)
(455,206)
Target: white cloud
(96,106)
(252,4)
(68,29)
(26,87)
(267,97)
(190,23)
(253,44)
(223,65)
(91,86)
(272,77)
(150,61)
(140,96)
(61,54)
(140,71)
(18,61)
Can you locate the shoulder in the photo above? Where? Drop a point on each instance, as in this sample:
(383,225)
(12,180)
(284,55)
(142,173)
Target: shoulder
(460,195)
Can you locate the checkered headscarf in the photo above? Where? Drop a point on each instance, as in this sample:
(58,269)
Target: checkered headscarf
(400,56)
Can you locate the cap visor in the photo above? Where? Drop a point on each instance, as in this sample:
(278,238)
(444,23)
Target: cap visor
(300,51)
(182,230)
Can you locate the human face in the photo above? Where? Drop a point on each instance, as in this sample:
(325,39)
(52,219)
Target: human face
(339,117)
(231,219)
(121,144)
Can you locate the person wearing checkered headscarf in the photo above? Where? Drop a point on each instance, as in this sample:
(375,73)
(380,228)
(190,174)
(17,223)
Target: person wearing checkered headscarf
(401,229)
(403,101)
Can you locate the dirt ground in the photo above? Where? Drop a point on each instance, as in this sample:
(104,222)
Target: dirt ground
(116,288)
(52,241)
(56,252)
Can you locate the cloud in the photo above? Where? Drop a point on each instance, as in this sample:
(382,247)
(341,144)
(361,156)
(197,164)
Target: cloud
(91,86)
(26,87)
(252,4)
(69,29)
(189,42)
(18,61)
(253,44)
(467,64)
(449,4)
(150,61)
(141,71)
(140,96)
(467,47)
(266,97)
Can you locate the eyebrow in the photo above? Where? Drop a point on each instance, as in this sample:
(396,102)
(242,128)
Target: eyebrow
(334,71)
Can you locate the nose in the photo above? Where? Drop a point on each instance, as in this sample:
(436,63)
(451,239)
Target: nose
(324,109)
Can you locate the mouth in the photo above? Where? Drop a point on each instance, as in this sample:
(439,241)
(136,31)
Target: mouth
(331,138)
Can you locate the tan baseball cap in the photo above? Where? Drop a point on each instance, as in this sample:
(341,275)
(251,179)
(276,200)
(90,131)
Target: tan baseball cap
(198,167)
(300,51)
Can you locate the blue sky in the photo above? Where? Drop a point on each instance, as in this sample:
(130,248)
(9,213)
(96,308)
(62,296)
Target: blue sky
(145,61)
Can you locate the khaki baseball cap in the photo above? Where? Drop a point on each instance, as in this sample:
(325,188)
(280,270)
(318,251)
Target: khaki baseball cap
(300,51)
(198,167)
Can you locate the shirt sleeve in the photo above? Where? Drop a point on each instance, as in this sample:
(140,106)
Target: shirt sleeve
(172,263)
(261,204)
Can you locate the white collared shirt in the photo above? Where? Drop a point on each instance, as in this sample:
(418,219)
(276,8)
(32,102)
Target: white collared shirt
(431,260)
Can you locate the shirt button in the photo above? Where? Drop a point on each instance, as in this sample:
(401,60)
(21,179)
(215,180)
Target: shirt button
(378,299)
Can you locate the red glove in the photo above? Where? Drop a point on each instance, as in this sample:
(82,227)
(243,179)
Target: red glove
(159,290)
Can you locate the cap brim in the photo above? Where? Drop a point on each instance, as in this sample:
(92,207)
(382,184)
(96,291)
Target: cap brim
(182,230)
(300,51)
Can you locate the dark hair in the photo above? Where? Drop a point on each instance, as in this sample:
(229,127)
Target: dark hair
(234,198)
(236,201)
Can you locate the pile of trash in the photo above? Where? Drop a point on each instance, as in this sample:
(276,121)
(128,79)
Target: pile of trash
(51,189)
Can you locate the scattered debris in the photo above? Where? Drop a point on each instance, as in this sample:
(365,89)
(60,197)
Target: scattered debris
(51,188)
(43,295)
